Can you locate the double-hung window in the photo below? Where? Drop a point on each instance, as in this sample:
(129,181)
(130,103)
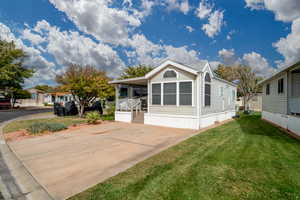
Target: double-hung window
(170,91)
(207,90)
(156,94)
(185,93)
(268,89)
(280,86)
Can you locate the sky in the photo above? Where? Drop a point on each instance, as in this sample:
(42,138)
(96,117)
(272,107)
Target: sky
(114,34)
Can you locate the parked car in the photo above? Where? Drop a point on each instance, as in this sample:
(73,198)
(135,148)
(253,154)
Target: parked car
(5,103)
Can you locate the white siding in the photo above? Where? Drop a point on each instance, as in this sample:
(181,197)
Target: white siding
(173,110)
(275,103)
(219,103)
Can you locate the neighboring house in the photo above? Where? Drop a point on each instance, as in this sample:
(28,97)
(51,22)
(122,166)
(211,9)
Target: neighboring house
(176,95)
(254,104)
(281,98)
(58,97)
(37,99)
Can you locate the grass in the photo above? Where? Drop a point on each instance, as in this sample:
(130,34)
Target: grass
(67,121)
(25,124)
(244,159)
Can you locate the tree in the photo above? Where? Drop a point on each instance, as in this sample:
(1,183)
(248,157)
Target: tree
(12,71)
(135,71)
(228,73)
(248,83)
(86,83)
(44,88)
(18,93)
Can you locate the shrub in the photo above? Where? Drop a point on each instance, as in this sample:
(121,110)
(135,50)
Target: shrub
(111,110)
(41,127)
(93,117)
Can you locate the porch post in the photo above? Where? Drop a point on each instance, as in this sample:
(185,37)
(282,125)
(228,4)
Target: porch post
(117,97)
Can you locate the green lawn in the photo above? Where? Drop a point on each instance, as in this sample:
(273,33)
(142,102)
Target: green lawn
(24,124)
(244,159)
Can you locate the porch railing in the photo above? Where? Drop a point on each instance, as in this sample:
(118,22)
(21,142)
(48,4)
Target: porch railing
(127,104)
(294,104)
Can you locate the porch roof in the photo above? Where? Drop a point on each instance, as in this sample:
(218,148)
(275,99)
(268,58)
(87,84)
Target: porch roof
(289,68)
(131,81)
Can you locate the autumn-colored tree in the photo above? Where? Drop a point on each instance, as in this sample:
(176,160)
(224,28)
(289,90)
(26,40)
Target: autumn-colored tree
(86,83)
(135,71)
(247,83)
(228,73)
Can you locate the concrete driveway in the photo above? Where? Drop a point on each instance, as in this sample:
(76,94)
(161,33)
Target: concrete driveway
(67,163)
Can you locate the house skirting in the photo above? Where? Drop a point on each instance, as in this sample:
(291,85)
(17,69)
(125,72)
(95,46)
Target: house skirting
(288,122)
(123,116)
(174,121)
(211,119)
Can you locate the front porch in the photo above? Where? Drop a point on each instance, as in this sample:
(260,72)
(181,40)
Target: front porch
(131,99)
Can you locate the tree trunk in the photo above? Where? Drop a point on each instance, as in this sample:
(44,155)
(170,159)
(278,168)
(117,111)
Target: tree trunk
(245,102)
(81,110)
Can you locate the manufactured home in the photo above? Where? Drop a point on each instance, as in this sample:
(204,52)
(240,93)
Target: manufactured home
(281,98)
(176,95)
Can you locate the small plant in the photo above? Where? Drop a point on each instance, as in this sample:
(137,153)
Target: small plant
(41,127)
(93,117)
(111,110)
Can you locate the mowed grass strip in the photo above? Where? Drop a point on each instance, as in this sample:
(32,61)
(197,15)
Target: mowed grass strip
(244,159)
(24,124)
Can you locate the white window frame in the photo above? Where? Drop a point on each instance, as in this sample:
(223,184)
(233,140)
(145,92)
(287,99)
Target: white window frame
(203,89)
(177,92)
(168,69)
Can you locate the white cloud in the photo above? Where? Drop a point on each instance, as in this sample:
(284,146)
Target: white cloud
(258,63)
(284,10)
(72,47)
(33,38)
(181,5)
(228,57)
(289,46)
(44,69)
(255,4)
(107,24)
(229,35)
(189,28)
(182,54)
(204,9)
(215,23)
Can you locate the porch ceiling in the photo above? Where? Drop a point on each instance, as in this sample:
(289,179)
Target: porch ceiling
(131,81)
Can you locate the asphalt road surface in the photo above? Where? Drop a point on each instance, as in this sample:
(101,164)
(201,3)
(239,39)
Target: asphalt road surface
(8,115)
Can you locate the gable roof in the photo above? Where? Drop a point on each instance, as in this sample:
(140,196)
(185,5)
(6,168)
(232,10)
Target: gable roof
(193,69)
(280,71)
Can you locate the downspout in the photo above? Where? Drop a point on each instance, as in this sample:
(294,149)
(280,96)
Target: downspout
(198,97)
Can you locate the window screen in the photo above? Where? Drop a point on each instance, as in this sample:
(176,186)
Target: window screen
(268,89)
(185,93)
(170,74)
(207,95)
(156,94)
(169,93)
(280,86)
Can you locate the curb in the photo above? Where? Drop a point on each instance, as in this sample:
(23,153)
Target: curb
(16,182)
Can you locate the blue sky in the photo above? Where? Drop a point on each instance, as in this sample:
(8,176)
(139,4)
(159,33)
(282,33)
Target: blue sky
(111,35)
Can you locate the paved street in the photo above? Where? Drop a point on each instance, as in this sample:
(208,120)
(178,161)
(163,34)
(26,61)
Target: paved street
(9,187)
(8,115)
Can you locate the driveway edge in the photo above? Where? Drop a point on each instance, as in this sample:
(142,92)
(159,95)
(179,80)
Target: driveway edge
(16,182)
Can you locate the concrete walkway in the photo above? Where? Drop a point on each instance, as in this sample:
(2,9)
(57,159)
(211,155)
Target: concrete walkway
(16,182)
(67,163)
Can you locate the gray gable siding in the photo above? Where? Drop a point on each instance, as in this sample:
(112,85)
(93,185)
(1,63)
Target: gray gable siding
(219,103)
(275,103)
(173,110)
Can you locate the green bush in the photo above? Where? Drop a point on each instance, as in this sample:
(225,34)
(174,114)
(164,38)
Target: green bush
(41,127)
(93,117)
(111,110)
